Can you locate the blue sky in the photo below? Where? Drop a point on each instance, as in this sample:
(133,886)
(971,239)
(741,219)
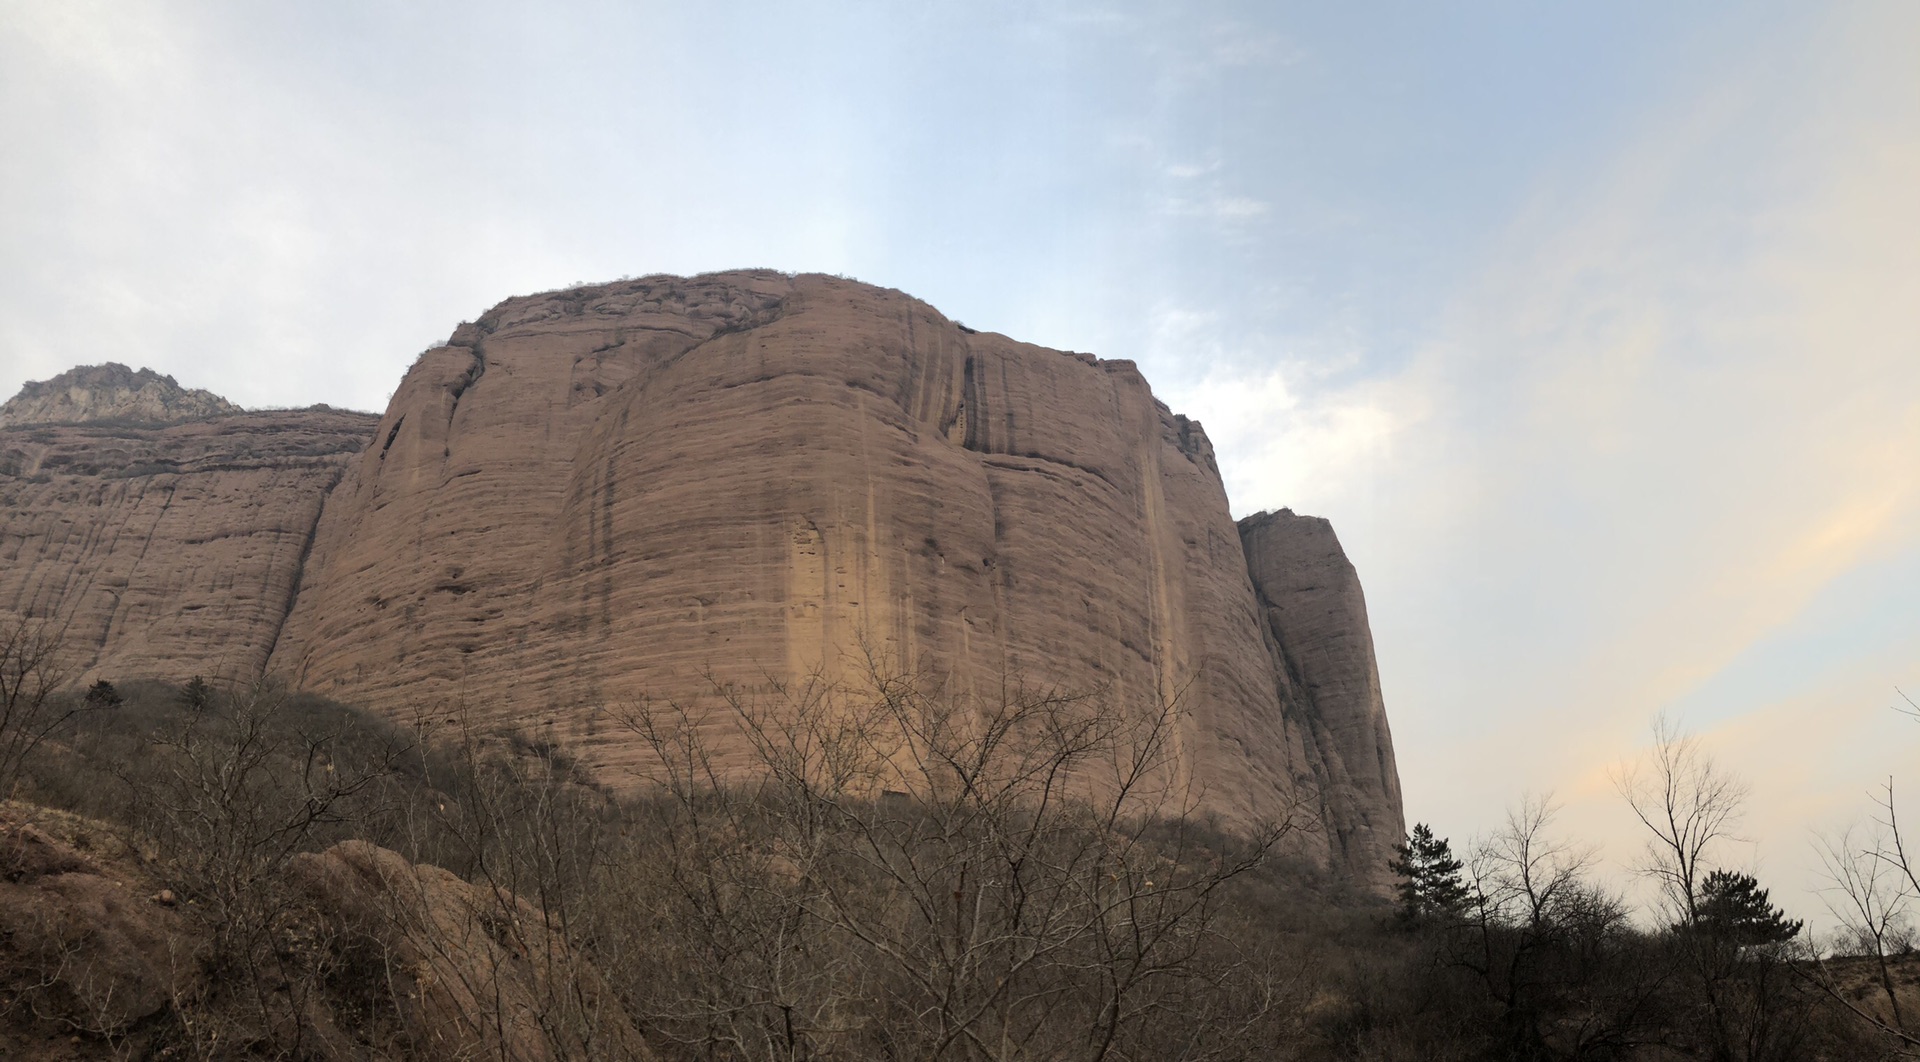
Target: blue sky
(1594,328)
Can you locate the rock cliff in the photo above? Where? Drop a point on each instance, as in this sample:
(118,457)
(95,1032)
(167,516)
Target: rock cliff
(166,550)
(648,489)
(110,392)
(1322,649)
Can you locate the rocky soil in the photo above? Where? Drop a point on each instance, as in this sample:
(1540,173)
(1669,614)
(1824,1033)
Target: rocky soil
(98,960)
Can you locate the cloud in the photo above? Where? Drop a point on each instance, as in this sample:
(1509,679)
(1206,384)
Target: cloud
(1677,404)
(1234,44)
(1218,207)
(1658,451)
(1662,433)
(1289,446)
(1186,171)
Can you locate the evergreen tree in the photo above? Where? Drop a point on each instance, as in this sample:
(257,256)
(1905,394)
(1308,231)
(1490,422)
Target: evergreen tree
(196,694)
(1430,886)
(102,695)
(1733,907)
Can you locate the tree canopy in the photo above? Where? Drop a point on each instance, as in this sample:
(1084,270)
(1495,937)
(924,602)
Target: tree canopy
(1430,886)
(1733,907)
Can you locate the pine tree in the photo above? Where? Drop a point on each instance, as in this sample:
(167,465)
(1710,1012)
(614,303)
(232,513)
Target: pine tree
(102,695)
(1430,887)
(1733,907)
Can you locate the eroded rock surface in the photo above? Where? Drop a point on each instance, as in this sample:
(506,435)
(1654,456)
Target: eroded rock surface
(83,947)
(648,490)
(167,550)
(110,392)
(1316,625)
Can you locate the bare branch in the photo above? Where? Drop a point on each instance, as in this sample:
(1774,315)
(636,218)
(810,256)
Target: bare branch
(1689,805)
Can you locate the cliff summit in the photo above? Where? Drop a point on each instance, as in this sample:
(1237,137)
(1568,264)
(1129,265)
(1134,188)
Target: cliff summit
(110,392)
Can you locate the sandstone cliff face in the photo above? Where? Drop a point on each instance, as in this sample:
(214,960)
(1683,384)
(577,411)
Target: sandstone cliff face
(644,489)
(171,549)
(1322,648)
(110,392)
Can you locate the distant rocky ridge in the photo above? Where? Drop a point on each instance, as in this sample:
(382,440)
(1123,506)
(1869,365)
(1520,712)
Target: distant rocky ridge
(110,392)
(642,489)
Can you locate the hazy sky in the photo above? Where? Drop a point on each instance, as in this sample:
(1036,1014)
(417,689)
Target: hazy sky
(1594,329)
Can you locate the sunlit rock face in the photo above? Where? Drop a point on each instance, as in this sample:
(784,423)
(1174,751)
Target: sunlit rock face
(650,490)
(109,392)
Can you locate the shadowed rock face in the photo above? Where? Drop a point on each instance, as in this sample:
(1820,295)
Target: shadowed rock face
(642,489)
(110,392)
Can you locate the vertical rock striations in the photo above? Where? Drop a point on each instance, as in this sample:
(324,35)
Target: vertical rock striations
(1315,622)
(166,550)
(647,488)
(644,489)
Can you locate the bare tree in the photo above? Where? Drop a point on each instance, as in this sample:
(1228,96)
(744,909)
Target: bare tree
(534,837)
(1873,886)
(933,876)
(1538,932)
(1740,989)
(1871,892)
(227,795)
(1689,805)
(1870,898)
(32,670)
(1522,874)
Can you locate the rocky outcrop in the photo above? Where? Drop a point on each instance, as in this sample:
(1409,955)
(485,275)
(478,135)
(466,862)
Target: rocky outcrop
(660,488)
(472,971)
(1315,623)
(655,488)
(167,550)
(84,949)
(110,392)
(380,959)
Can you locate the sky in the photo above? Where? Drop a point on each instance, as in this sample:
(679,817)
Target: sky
(1594,328)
